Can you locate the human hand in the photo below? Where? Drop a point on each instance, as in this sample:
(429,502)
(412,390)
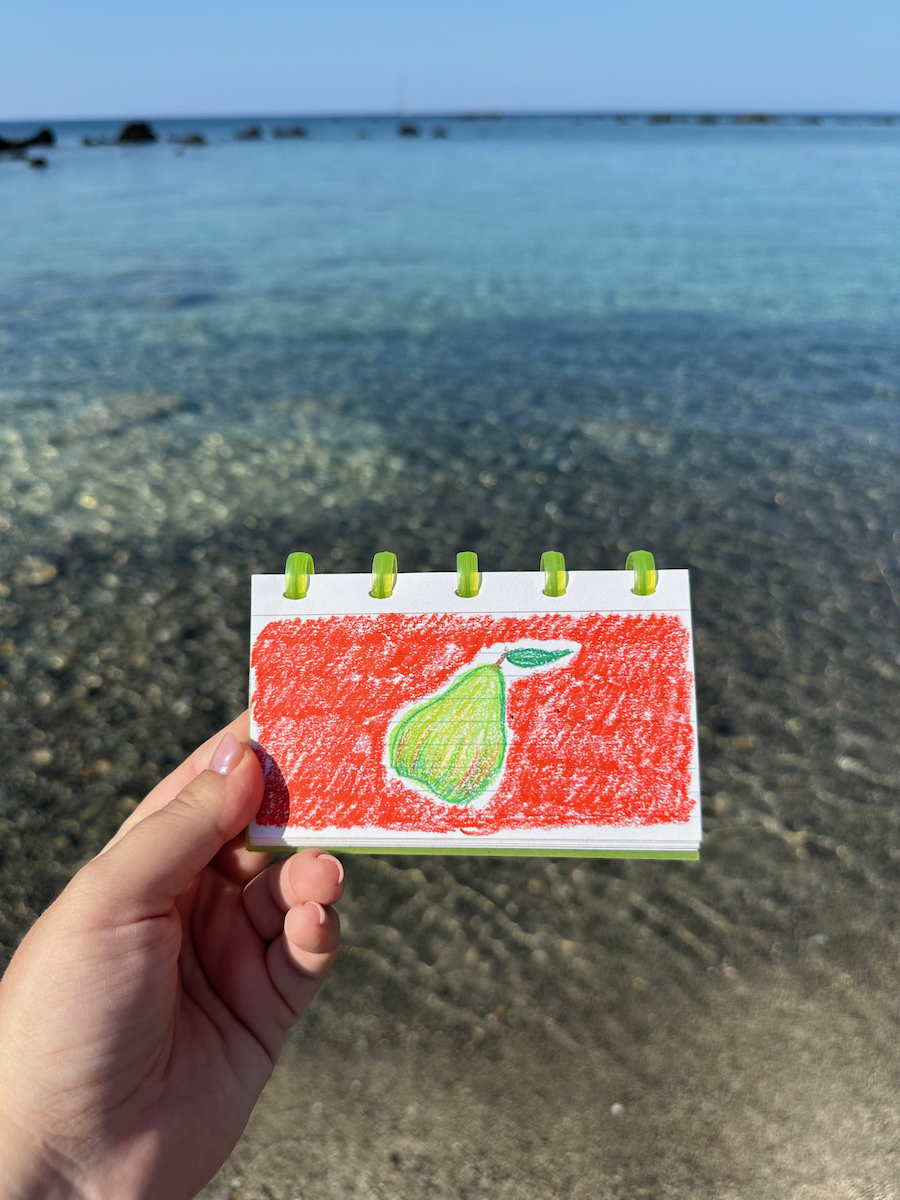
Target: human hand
(144,1011)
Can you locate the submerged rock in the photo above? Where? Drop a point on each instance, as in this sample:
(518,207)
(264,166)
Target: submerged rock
(290,131)
(187,139)
(34,572)
(136,133)
(408,129)
(439,132)
(756,119)
(114,412)
(40,163)
(252,133)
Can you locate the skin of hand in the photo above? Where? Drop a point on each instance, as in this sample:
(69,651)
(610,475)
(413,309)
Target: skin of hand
(144,1011)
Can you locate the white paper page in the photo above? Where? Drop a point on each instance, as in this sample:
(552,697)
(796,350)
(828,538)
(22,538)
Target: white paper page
(591,597)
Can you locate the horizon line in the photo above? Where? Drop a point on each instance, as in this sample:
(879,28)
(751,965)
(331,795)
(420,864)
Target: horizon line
(471,114)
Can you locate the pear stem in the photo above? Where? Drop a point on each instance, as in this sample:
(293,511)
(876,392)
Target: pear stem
(501,658)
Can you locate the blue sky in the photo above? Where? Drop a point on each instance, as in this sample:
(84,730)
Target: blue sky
(77,58)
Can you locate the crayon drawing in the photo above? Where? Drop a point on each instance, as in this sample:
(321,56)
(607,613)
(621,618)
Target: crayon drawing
(454,745)
(351,715)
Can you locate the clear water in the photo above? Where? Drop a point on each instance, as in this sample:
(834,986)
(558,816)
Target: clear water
(562,222)
(727,278)
(532,334)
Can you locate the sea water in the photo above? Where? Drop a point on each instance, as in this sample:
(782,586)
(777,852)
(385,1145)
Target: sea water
(569,333)
(728,275)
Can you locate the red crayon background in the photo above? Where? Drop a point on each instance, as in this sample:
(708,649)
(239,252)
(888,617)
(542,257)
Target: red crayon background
(604,739)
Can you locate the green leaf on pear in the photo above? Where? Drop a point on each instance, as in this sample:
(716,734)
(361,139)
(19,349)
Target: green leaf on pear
(530,656)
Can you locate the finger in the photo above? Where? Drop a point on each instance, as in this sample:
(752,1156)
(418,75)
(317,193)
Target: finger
(300,959)
(168,788)
(142,874)
(231,970)
(309,875)
(239,864)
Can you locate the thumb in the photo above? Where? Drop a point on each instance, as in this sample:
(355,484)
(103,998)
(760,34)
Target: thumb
(141,875)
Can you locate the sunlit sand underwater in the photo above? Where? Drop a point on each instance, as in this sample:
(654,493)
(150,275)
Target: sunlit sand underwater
(526,335)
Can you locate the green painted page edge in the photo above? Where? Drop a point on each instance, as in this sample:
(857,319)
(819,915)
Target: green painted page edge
(678,855)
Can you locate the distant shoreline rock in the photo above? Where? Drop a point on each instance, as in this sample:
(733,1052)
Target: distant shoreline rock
(290,131)
(43,137)
(136,133)
(252,133)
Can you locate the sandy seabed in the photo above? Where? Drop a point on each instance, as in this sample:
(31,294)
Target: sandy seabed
(498,1028)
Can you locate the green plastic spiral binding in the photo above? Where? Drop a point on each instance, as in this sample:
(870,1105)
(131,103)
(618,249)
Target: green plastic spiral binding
(384,575)
(556,577)
(467,574)
(297,571)
(645,577)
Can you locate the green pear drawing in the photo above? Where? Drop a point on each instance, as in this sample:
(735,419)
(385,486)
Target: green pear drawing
(453,745)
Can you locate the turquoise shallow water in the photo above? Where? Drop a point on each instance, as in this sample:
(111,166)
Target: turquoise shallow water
(136,257)
(728,278)
(548,333)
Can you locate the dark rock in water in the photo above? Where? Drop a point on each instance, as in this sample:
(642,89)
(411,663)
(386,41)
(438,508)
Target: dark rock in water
(660,118)
(707,119)
(35,572)
(39,163)
(136,133)
(43,137)
(407,129)
(187,139)
(112,413)
(291,131)
(252,133)
(810,121)
(97,141)
(756,119)
(439,132)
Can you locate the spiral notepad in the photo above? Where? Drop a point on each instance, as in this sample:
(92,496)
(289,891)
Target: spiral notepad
(539,712)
